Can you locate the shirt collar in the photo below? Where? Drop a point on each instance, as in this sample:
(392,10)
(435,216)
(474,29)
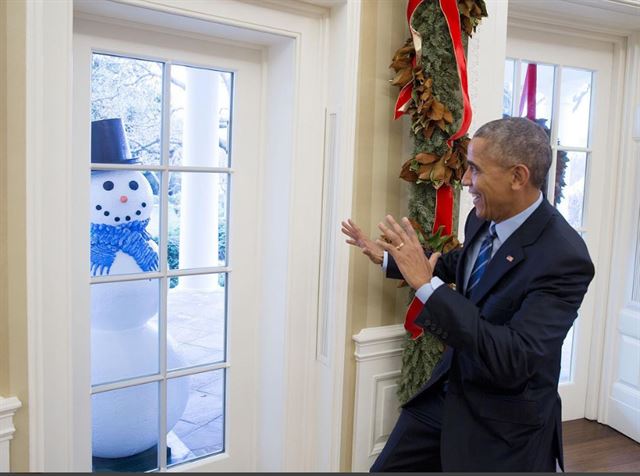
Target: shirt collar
(505,228)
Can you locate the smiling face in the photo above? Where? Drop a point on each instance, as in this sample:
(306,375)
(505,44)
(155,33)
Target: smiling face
(490,183)
(119,197)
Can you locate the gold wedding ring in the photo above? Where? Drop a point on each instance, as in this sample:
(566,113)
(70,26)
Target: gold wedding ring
(399,246)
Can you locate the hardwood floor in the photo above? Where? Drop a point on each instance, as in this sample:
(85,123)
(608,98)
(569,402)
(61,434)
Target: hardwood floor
(590,446)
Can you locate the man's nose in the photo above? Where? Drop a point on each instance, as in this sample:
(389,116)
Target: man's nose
(466,178)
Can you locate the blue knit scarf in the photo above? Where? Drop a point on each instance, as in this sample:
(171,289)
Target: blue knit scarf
(130,238)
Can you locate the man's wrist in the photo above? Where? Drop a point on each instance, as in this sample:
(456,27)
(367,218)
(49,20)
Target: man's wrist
(425,291)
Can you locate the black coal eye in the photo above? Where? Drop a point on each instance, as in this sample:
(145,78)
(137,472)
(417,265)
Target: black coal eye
(133,185)
(108,185)
(98,207)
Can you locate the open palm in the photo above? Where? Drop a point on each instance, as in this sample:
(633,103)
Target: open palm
(357,238)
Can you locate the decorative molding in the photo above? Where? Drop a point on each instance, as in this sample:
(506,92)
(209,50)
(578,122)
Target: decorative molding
(624,410)
(8,408)
(378,364)
(555,25)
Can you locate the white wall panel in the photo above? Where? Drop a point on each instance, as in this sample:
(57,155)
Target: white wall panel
(378,363)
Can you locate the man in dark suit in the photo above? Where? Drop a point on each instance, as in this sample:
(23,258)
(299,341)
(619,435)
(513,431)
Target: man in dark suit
(491,403)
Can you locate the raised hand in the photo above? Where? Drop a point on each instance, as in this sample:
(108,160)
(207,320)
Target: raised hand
(357,238)
(407,252)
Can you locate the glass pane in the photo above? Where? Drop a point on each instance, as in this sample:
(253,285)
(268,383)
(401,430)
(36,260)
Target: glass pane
(575,107)
(125,211)
(507,96)
(566,361)
(571,169)
(200,114)
(196,320)
(536,83)
(197,219)
(130,89)
(200,430)
(125,429)
(124,330)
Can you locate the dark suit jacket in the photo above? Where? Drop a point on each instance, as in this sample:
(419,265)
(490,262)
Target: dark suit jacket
(502,410)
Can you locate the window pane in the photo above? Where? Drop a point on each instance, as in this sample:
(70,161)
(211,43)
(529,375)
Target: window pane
(200,114)
(124,330)
(130,89)
(575,107)
(536,82)
(197,219)
(566,363)
(571,169)
(507,95)
(200,430)
(196,319)
(125,429)
(124,222)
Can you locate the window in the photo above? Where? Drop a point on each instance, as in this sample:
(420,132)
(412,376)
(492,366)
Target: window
(160,177)
(558,98)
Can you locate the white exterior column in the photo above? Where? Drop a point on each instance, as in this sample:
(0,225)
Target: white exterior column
(199,191)
(8,408)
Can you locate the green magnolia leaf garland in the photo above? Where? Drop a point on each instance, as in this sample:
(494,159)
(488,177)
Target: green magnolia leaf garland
(436,112)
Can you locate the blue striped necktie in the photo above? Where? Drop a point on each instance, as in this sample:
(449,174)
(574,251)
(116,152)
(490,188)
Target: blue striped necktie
(484,255)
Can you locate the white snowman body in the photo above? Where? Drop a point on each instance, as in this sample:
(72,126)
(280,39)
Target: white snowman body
(120,197)
(124,331)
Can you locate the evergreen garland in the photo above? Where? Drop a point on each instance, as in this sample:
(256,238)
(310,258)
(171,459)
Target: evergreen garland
(438,65)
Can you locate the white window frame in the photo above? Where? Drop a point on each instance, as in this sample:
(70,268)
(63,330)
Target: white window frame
(164,274)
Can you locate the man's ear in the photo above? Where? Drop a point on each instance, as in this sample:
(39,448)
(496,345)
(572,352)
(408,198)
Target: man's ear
(520,177)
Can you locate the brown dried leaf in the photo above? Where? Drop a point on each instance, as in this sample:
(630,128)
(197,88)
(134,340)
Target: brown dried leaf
(428,131)
(425,158)
(400,63)
(448,173)
(402,78)
(437,111)
(424,172)
(407,174)
(437,174)
(448,116)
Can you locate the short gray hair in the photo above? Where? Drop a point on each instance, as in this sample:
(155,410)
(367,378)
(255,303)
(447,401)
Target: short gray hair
(518,140)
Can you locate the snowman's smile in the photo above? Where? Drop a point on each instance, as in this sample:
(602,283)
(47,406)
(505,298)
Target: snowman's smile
(123,215)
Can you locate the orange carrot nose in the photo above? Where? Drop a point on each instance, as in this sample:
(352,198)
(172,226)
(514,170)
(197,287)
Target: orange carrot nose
(123,199)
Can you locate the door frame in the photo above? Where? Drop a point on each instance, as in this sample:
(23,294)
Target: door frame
(312,46)
(606,318)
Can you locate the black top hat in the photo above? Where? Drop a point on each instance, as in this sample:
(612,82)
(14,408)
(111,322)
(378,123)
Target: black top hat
(109,144)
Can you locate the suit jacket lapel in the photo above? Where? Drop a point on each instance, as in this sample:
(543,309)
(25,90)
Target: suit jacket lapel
(512,251)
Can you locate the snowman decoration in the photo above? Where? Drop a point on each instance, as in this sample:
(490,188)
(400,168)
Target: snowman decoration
(124,333)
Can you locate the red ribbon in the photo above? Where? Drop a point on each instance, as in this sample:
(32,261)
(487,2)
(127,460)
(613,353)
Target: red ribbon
(444,210)
(404,97)
(402,103)
(444,195)
(452,15)
(409,321)
(529,91)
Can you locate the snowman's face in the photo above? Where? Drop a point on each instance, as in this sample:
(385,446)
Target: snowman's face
(119,197)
